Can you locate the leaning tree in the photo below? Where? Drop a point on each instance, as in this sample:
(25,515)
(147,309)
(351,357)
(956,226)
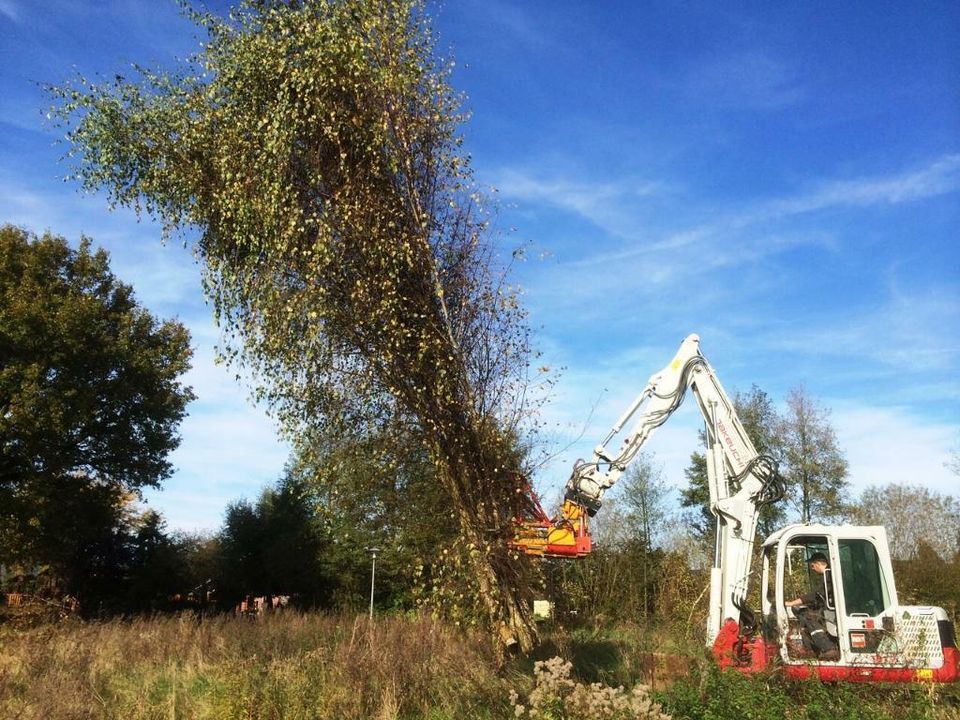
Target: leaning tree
(315,148)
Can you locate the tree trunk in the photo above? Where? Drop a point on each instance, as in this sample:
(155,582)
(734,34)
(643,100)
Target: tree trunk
(512,617)
(481,491)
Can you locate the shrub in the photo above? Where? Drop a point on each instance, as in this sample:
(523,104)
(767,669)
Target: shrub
(558,697)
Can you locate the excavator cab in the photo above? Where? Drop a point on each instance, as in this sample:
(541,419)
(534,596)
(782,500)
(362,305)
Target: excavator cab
(861,632)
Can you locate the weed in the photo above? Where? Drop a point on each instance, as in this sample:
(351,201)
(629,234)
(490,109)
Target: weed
(312,667)
(558,697)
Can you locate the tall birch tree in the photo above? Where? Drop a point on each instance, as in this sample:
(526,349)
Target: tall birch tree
(315,148)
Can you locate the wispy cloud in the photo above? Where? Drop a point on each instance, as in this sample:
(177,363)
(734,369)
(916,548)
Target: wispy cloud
(9,10)
(577,196)
(746,80)
(908,330)
(891,446)
(686,265)
(937,178)
(511,21)
(610,206)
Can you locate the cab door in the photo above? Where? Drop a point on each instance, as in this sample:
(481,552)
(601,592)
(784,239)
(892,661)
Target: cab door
(797,580)
(867,600)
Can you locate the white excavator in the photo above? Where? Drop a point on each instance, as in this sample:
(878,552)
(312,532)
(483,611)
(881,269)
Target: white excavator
(829,605)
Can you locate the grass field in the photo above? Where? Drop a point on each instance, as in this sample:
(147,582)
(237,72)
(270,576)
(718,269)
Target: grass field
(301,666)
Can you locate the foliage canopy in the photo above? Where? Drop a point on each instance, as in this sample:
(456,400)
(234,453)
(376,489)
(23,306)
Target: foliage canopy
(315,146)
(91,397)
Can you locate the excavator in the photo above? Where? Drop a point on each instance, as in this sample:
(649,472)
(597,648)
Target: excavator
(866,634)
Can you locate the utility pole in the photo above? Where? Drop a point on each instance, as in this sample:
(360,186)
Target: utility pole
(373,576)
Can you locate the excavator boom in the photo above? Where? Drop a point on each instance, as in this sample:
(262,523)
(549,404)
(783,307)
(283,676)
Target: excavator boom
(741,480)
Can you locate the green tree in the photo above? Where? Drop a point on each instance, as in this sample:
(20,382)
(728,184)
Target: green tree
(696,495)
(620,579)
(77,528)
(927,577)
(307,537)
(156,563)
(315,145)
(240,540)
(91,398)
(199,563)
(644,494)
(379,491)
(814,466)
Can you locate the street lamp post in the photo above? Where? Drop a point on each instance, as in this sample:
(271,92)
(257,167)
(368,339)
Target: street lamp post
(373,576)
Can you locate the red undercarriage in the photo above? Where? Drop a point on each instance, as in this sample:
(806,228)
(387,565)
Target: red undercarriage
(756,655)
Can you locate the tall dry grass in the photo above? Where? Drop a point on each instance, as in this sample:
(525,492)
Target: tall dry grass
(292,666)
(311,666)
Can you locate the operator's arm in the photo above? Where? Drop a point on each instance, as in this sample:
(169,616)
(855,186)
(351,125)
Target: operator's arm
(809,600)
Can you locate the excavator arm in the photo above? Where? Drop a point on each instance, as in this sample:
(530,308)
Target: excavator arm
(741,480)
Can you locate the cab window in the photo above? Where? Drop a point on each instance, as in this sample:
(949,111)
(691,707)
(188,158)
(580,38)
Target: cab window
(864,589)
(798,578)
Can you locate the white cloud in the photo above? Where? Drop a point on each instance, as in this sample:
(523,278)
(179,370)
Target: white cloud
(730,260)
(937,178)
(512,22)
(907,331)
(229,450)
(23,207)
(886,445)
(166,277)
(612,205)
(226,445)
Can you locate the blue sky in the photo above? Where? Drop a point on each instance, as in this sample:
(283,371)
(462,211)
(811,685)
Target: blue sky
(782,179)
